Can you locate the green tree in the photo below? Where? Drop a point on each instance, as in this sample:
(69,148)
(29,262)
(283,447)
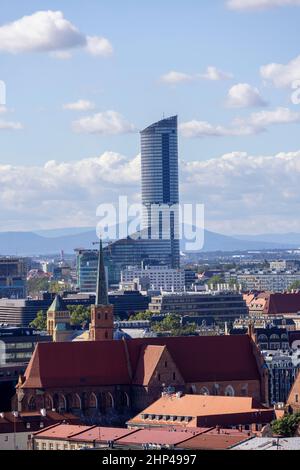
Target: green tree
(37,285)
(294,286)
(79,314)
(286,426)
(40,321)
(216,280)
(147,315)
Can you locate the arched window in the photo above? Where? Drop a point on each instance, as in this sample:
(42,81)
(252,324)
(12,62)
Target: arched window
(93,401)
(274,337)
(229,391)
(262,338)
(32,404)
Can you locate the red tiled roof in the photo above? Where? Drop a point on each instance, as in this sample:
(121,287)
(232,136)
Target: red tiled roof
(157,436)
(279,303)
(210,441)
(101,434)
(205,358)
(148,360)
(198,358)
(71,364)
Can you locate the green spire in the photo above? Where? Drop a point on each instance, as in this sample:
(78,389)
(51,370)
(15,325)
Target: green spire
(101,294)
(57,305)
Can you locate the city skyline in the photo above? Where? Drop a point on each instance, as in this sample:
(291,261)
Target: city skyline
(71,141)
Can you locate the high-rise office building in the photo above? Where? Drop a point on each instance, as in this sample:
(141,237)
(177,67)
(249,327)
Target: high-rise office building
(160,186)
(158,242)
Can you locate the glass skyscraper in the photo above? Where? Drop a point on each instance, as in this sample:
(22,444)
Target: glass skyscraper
(160,187)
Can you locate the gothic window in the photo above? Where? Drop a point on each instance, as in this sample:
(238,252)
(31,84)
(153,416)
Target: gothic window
(32,404)
(229,391)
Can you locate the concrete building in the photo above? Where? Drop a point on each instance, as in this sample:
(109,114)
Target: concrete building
(283,369)
(198,307)
(157,277)
(71,437)
(194,411)
(267,280)
(16,428)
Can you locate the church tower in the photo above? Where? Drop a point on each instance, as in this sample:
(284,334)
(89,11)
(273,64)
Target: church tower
(59,321)
(102,314)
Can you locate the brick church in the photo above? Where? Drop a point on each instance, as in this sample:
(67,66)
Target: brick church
(108,381)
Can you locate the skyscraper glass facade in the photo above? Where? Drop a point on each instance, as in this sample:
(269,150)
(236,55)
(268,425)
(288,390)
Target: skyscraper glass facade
(160,186)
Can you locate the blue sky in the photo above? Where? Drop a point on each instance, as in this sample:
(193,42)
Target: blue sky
(130,76)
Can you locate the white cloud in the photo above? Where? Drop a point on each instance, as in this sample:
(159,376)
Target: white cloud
(99,46)
(214,74)
(241,192)
(173,77)
(66,193)
(282,75)
(49,31)
(80,105)
(3,109)
(254,124)
(211,73)
(259,4)
(10,126)
(244,95)
(106,123)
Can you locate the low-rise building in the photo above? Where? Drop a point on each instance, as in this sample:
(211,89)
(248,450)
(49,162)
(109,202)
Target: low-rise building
(157,277)
(199,307)
(17,428)
(192,411)
(71,437)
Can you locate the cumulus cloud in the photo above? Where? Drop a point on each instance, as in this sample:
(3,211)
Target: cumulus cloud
(259,4)
(66,193)
(241,192)
(48,31)
(244,95)
(98,46)
(214,74)
(282,75)
(254,124)
(173,77)
(211,73)
(80,105)
(106,123)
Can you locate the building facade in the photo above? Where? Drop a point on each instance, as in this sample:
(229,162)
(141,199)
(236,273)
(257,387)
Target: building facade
(199,307)
(160,183)
(13,278)
(110,381)
(157,277)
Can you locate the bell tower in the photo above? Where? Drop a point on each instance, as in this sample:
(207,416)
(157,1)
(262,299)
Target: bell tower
(102,314)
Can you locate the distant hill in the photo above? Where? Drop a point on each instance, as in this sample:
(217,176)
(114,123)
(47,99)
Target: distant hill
(286,238)
(29,243)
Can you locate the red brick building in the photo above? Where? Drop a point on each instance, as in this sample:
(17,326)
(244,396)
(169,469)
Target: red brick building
(103,381)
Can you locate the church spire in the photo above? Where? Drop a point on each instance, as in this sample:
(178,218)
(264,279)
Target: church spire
(101,293)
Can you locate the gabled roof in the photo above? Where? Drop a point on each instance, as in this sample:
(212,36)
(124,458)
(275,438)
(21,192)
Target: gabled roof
(148,361)
(278,303)
(93,363)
